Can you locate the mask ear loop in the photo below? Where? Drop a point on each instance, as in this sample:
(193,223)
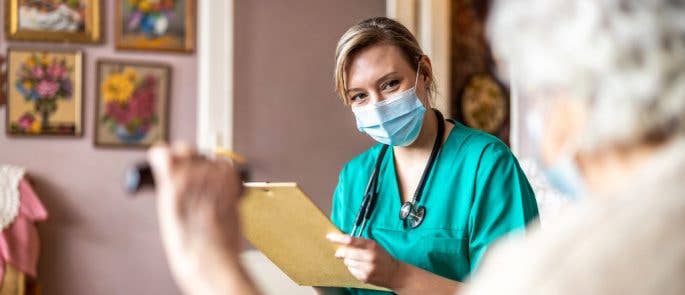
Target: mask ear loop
(416,83)
(418,70)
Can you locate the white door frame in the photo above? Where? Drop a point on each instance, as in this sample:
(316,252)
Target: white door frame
(215,75)
(429,20)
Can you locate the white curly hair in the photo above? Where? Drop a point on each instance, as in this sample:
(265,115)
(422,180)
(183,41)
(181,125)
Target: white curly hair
(626,58)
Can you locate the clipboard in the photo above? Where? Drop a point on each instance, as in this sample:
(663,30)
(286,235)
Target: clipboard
(284,224)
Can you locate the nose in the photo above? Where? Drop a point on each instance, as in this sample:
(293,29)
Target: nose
(375,97)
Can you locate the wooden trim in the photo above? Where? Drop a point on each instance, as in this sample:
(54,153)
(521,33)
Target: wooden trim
(429,21)
(215,75)
(435,39)
(14,281)
(404,11)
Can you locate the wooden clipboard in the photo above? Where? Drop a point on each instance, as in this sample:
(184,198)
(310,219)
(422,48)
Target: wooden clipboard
(284,224)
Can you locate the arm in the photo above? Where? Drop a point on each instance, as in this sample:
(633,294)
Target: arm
(370,263)
(415,280)
(196,206)
(503,200)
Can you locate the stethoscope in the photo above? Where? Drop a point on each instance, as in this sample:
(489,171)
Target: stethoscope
(410,213)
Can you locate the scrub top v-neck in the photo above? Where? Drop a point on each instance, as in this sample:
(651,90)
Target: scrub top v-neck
(475,193)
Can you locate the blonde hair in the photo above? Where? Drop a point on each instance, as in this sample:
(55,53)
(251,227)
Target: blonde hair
(370,32)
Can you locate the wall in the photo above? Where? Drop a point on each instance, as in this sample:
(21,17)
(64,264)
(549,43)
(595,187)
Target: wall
(288,121)
(97,240)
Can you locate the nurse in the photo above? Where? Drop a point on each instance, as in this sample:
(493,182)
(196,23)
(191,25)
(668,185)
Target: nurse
(442,192)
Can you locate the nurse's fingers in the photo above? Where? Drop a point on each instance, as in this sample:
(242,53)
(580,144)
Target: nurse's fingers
(348,240)
(359,265)
(354,253)
(360,274)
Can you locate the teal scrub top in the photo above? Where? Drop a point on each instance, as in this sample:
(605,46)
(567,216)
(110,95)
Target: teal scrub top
(475,194)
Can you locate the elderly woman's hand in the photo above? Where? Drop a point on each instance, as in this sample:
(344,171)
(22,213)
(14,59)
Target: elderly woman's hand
(197,200)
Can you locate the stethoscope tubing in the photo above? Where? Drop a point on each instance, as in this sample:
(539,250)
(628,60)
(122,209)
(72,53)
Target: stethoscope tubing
(371,193)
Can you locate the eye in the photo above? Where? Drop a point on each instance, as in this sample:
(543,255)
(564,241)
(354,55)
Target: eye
(357,97)
(390,84)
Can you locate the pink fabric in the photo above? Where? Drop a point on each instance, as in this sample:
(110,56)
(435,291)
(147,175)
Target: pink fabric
(19,243)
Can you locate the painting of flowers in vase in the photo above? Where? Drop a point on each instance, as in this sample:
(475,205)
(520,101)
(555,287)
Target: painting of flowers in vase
(44,93)
(132,103)
(162,25)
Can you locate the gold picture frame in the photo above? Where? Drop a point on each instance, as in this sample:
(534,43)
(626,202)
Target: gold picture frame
(44,92)
(85,30)
(130,26)
(132,103)
(3,77)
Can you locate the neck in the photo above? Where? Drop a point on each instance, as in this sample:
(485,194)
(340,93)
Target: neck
(424,142)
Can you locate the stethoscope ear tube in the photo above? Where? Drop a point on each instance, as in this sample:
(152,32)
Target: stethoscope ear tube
(369,199)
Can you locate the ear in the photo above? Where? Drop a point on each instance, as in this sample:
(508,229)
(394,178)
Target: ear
(426,69)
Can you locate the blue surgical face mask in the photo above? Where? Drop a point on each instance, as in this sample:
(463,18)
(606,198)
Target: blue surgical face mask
(564,175)
(394,121)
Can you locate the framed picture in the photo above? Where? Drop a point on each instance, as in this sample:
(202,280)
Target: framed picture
(44,92)
(53,20)
(132,103)
(158,25)
(3,77)
(478,99)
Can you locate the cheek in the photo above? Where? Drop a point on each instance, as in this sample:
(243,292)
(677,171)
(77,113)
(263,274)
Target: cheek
(551,142)
(563,126)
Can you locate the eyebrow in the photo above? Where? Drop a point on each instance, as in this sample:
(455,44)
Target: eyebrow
(378,80)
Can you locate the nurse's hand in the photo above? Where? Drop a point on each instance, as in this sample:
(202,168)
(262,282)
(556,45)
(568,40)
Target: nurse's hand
(366,260)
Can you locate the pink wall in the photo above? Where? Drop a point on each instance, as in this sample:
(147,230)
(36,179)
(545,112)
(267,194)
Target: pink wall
(288,121)
(97,240)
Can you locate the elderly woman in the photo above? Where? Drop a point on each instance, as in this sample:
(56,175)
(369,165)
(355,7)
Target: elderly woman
(612,75)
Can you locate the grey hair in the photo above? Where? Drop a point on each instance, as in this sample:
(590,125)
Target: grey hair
(626,58)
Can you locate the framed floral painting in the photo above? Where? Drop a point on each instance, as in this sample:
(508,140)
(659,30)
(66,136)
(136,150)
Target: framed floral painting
(53,20)
(132,103)
(44,92)
(159,25)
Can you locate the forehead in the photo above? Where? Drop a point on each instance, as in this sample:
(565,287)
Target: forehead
(371,63)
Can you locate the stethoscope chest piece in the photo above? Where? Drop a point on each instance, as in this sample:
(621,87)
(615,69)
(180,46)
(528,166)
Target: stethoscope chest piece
(405,210)
(415,215)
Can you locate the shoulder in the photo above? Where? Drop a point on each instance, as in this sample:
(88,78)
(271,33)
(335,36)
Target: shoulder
(479,145)
(362,162)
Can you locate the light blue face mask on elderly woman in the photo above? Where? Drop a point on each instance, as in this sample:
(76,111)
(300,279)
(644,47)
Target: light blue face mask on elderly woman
(564,174)
(394,121)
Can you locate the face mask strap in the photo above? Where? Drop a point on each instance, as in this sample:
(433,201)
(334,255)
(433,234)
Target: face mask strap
(416,83)
(418,70)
